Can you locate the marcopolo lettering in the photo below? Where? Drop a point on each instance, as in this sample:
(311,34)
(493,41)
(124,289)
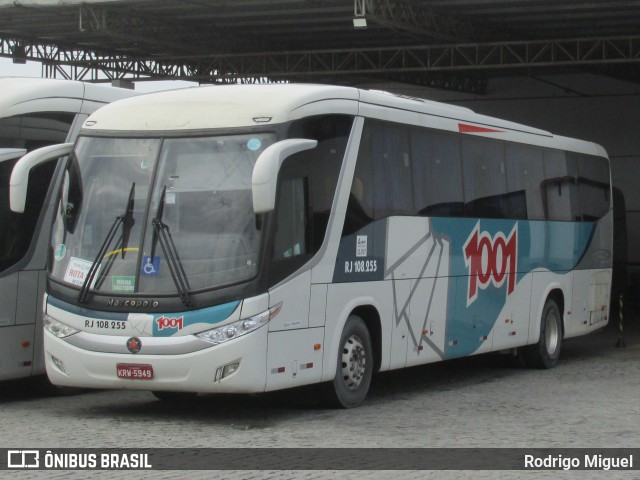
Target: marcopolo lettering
(491,260)
(117,302)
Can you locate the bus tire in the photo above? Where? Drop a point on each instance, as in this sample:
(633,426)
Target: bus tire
(546,352)
(351,383)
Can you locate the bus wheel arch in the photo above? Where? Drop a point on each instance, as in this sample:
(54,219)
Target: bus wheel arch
(546,351)
(371,318)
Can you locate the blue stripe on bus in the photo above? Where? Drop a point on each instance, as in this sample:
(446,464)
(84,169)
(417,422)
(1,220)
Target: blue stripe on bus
(555,246)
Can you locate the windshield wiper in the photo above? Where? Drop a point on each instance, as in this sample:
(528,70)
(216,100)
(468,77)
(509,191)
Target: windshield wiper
(127,221)
(162,234)
(159,214)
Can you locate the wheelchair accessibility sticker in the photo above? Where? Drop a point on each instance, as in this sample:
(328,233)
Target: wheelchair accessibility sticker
(150,266)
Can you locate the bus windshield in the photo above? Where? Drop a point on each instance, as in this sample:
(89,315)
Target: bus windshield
(158,216)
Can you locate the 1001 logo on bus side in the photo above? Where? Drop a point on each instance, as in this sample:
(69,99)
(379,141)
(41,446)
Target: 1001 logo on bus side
(490,260)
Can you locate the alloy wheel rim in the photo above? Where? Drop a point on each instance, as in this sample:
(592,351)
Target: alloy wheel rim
(354,362)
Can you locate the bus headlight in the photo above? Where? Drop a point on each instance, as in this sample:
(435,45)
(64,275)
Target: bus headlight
(239,328)
(57,328)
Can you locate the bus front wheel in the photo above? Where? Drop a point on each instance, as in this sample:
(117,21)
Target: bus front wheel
(355,366)
(546,352)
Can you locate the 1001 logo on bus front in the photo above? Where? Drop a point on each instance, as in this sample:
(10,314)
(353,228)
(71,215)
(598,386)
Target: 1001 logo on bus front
(490,260)
(169,323)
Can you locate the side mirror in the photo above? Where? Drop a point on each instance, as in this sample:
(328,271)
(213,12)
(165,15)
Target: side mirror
(265,171)
(20,175)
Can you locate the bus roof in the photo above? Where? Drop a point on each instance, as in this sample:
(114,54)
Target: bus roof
(21,96)
(209,107)
(231,106)
(200,107)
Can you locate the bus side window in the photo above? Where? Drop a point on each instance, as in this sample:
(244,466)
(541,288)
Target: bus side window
(391,166)
(360,206)
(593,187)
(483,160)
(382,183)
(525,173)
(291,235)
(306,188)
(35,130)
(19,229)
(437,173)
(291,220)
(559,189)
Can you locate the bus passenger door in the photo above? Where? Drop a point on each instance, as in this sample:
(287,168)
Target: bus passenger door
(292,359)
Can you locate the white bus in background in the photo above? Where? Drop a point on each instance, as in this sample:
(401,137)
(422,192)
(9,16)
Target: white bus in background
(34,113)
(255,238)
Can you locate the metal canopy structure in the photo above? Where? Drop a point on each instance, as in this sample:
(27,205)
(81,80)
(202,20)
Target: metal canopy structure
(443,43)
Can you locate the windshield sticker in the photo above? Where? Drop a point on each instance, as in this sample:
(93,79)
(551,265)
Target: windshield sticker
(144,164)
(254,144)
(150,268)
(60,252)
(123,284)
(77,271)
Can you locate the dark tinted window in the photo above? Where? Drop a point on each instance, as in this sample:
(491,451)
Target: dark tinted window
(437,173)
(18,228)
(35,130)
(484,172)
(306,189)
(525,173)
(403,170)
(382,182)
(593,186)
(559,189)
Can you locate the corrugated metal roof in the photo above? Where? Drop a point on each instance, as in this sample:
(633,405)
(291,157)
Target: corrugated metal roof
(195,33)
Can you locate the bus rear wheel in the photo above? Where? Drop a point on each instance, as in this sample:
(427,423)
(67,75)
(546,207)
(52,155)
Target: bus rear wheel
(355,366)
(546,352)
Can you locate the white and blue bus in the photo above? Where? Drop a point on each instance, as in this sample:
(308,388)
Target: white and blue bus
(255,238)
(34,113)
